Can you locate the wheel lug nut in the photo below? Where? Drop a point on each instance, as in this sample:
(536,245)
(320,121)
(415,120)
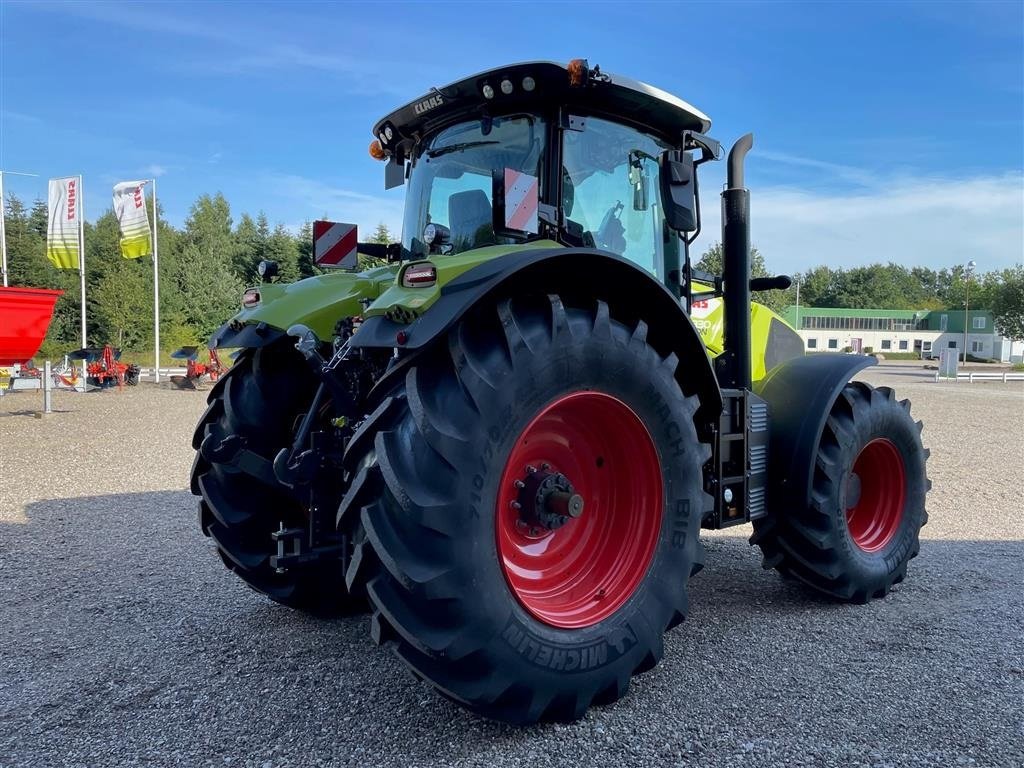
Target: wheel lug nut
(516,505)
(545,466)
(531,469)
(520,484)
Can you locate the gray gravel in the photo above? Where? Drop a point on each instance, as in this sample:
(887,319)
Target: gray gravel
(124,642)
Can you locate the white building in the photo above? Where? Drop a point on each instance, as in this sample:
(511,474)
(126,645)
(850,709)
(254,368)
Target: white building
(922,333)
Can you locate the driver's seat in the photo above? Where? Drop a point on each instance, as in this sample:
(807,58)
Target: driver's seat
(468,212)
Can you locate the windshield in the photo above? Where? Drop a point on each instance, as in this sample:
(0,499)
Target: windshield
(450,181)
(610,189)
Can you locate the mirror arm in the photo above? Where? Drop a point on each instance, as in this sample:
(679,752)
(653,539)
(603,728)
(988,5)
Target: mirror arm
(701,295)
(710,149)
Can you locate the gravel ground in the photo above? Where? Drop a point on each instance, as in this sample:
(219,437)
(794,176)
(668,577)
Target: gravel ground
(123,641)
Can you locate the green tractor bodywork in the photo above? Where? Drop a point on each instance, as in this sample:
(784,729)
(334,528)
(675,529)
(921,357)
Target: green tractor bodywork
(319,302)
(507,440)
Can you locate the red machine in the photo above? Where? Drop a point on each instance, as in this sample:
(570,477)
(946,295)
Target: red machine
(103,367)
(196,371)
(25,315)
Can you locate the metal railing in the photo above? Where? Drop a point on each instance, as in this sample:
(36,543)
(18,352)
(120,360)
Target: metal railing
(972,376)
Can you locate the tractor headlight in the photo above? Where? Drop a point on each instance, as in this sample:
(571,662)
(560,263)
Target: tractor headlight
(506,86)
(529,84)
(267,269)
(436,235)
(488,91)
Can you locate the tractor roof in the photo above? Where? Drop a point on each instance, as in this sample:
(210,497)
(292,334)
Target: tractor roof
(597,92)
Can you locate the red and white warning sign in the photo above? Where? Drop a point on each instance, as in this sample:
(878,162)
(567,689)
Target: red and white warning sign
(521,199)
(334,244)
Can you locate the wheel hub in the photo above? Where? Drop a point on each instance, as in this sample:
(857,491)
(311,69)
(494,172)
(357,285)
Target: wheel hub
(579,509)
(545,500)
(876,490)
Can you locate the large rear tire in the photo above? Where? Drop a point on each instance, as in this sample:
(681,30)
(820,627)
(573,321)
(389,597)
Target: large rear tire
(862,527)
(490,580)
(260,399)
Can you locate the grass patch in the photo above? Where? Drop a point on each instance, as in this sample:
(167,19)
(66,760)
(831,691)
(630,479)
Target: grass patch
(899,355)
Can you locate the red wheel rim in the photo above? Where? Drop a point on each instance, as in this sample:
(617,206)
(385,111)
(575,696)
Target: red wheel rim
(877,511)
(580,573)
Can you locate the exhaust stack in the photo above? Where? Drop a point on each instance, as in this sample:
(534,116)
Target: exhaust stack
(735,371)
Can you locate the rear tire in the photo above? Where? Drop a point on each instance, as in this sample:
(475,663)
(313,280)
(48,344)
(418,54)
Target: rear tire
(867,501)
(260,399)
(446,563)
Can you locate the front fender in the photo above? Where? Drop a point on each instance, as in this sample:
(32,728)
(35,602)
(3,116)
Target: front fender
(800,393)
(581,277)
(318,302)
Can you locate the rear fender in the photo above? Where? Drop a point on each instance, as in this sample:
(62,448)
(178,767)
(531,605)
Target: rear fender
(318,302)
(800,393)
(580,277)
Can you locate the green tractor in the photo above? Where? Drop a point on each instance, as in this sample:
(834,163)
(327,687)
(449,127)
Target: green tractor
(505,441)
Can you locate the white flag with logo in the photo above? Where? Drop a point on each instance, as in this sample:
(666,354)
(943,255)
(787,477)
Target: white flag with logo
(65,210)
(131,213)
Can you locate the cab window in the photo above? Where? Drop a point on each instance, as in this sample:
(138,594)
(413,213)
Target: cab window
(610,189)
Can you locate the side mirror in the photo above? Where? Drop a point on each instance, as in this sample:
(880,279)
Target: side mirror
(677,179)
(516,202)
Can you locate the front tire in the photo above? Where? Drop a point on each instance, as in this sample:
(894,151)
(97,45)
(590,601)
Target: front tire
(260,400)
(515,613)
(862,527)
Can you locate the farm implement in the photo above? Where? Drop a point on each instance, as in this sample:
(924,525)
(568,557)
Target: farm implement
(197,372)
(510,459)
(103,367)
(25,315)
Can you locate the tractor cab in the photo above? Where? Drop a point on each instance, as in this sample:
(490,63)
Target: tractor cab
(544,151)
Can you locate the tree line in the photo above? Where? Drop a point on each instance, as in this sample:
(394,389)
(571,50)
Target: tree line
(204,268)
(207,263)
(895,286)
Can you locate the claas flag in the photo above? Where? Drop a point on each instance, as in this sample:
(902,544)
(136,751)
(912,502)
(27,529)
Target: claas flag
(132,216)
(64,212)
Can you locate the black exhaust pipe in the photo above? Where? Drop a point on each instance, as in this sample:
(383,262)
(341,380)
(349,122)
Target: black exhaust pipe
(735,372)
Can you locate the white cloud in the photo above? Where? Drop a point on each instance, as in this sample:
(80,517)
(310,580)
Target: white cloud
(934,222)
(843,172)
(314,199)
(155,170)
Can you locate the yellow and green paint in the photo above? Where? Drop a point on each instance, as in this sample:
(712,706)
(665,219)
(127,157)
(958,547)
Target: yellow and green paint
(319,302)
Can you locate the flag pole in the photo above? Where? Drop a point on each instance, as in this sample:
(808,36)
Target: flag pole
(156,290)
(81,252)
(3,233)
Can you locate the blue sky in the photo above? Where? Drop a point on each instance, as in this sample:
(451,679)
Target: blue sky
(883,131)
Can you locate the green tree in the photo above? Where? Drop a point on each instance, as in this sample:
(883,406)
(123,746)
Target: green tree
(121,305)
(247,248)
(282,248)
(210,292)
(1006,301)
(819,286)
(304,247)
(382,235)
(208,286)
(712,261)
